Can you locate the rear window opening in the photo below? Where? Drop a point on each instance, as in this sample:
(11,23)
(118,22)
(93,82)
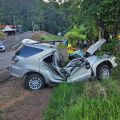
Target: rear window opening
(49,59)
(27,51)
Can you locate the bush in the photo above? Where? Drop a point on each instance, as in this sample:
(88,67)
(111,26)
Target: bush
(116,52)
(73,36)
(61,46)
(76,34)
(110,46)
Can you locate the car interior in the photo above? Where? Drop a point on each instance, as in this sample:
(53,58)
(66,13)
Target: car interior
(56,64)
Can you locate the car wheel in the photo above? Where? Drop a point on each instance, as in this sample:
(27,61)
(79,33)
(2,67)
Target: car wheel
(103,72)
(34,82)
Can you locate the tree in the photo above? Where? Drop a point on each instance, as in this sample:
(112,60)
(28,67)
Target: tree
(98,15)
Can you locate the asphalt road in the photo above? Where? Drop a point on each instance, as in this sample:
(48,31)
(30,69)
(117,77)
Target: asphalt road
(14,40)
(6,57)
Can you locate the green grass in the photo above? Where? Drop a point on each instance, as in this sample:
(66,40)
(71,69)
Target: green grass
(61,46)
(46,37)
(51,37)
(83,102)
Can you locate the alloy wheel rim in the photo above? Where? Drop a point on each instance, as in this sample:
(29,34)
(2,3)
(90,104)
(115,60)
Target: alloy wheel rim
(35,83)
(105,73)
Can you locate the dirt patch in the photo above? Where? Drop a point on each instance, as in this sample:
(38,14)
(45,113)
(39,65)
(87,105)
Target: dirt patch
(13,100)
(17,103)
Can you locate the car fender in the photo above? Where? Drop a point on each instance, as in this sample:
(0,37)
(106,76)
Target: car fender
(31,71)
(99,62)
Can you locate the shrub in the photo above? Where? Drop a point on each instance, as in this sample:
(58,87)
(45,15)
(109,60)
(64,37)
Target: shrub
(76,34)
(61,46)
(110,46)
(73,36)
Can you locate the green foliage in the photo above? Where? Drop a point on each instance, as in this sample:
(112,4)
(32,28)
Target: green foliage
(50,17)
(76,33)
(36,27)
(115,72)
(110,46)
(82,29)
(72,36)
(44,37)
(96,16)
(61,46)
(69,102)
(54,18)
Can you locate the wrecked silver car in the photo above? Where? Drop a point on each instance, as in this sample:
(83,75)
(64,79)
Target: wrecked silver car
(41,63)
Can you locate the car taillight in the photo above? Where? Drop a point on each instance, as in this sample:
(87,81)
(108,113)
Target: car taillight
(14,59)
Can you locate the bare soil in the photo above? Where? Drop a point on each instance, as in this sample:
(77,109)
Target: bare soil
(17,103)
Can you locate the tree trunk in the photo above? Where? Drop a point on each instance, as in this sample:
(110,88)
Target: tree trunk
(106,35)
(100,26)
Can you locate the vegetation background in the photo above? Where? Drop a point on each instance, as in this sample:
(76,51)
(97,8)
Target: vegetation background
(100,18)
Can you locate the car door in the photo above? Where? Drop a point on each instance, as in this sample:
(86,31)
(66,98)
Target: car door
(81,71)
(57,63)
(46,67)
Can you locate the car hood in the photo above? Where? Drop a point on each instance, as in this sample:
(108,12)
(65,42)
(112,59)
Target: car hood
(94,47)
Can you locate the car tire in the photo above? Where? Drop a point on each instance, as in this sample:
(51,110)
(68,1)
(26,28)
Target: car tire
(103,72)
(34,82)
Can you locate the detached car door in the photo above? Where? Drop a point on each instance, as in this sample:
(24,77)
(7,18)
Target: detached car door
(79,70)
